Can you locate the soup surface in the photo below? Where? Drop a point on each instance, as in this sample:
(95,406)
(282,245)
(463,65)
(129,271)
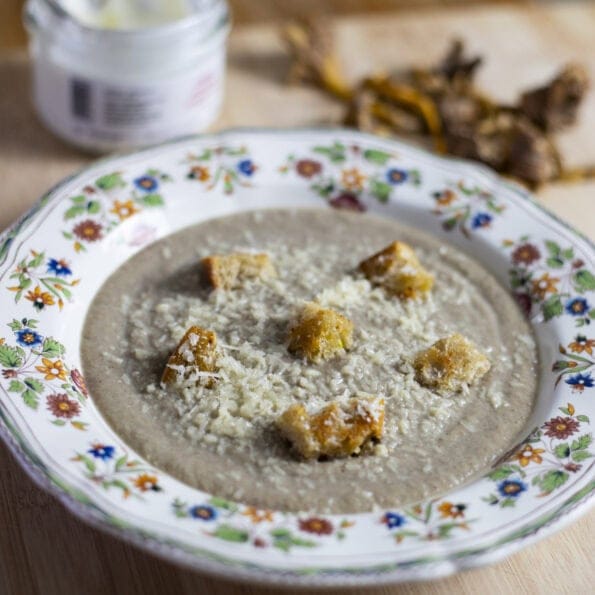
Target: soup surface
(223,439)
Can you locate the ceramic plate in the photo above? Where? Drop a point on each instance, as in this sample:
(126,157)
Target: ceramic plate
(54,260)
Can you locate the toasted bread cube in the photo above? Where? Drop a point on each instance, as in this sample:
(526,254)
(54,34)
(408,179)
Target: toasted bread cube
(320,333)
(337,430)
(194,357)
(229,271)
(450,364)
(398,270)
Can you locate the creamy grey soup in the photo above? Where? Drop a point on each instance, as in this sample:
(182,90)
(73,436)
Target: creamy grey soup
(223,439)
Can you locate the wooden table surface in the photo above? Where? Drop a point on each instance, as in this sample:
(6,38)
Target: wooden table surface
(43,549)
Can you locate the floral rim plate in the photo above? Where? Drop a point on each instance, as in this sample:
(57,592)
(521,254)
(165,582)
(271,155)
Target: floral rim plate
(55,259)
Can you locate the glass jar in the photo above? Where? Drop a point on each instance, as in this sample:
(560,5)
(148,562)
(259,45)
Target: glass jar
(111,89)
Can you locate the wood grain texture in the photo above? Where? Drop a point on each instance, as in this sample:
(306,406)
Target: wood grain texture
(12,32)
(43,548)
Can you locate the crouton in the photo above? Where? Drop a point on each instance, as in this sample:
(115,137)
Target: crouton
(450,364)
(230,271)
(319,333)
(193,358)
(398,270)
(337,430)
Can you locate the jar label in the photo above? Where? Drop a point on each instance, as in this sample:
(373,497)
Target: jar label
(105,114)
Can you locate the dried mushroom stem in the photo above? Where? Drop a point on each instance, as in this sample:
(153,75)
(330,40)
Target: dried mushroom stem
(420,103)
(311,47)
(577,174)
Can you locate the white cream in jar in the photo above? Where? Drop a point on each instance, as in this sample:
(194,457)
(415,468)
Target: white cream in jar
(117,74)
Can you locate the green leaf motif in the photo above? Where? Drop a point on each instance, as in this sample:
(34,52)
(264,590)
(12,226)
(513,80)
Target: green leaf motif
(555,262)
(376,156)
(335,153)
(552,307)
(30,399)
(580,455)
(558,367)
(501,473)
(93,207)
(116,483)
(568,254)
(223,504)
(562,451)
(16,387)
(36,260)
(73,212)
(381,190)
(551,481)
(300,542)
(121,462)
(15,325)
(450,224)
(508,503)
(52,348)
(88,462)
(59,422)
(152,200)
(34,385)
(11,357)
(110,181)
(582,443)
(584,280)
(583,418)
(229,533)
(552,248)
(79,200)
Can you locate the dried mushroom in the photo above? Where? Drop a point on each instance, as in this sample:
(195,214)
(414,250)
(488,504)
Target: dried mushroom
(319,333)
(398,270)
(555,106)
(230,271)
(444,104)
(337,430)
(450,364)
(193,361)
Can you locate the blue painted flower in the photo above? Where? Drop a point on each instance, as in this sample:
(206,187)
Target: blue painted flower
(481,220)
(577,306)
(581,381)
(58,267)
(393,519)
(100,451)
(512,488)
(246,167)
(203,512)
(147,183)
(396,176)
(28,338)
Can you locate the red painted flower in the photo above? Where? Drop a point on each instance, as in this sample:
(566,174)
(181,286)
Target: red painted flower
(572,467)
(316,525)
(524,301)
(578,263)
(308,168)
(525,254)
(79,381)
(61,406)
(561,427)
(347,201)
(88,230)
